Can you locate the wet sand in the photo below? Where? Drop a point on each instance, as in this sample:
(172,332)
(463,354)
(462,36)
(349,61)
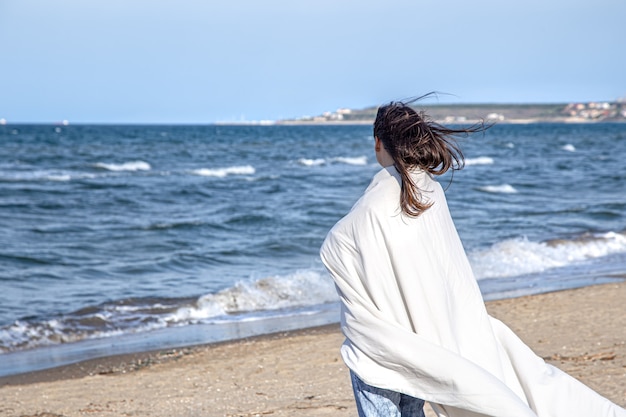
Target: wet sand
(300,373)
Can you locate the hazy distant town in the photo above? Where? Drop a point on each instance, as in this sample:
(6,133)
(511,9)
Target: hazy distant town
(602,111)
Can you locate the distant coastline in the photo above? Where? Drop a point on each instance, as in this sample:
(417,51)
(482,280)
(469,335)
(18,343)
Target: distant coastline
(580,112)
(508,113)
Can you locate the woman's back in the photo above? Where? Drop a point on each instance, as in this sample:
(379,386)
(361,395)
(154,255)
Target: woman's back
(412,313)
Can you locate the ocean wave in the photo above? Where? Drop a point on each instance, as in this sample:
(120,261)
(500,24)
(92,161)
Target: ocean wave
(358,160)
(481,160)
(42,175)
(240,302)
(498,189)
(126,166)
(301,289)
(172,225)
(223,172)
(520,256)
(311,162)
(281,294)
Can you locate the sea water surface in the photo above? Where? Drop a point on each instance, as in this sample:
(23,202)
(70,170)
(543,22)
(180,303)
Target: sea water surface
(123,238)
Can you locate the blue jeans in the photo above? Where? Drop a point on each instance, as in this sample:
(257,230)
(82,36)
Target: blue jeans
(377,402)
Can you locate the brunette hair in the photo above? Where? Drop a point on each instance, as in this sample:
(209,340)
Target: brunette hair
(413,140)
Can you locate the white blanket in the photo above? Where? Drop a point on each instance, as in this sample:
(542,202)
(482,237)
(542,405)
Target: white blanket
(415,321)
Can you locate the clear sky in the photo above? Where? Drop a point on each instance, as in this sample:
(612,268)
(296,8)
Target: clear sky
(200,61)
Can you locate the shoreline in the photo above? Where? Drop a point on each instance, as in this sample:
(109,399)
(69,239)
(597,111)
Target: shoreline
(44,358)
(578,330)
(132,362)
(180,338)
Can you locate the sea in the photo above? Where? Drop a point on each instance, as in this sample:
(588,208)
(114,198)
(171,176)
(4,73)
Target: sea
(118,239)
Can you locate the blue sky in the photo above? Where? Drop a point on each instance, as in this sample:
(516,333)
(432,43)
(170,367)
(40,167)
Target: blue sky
(200,61)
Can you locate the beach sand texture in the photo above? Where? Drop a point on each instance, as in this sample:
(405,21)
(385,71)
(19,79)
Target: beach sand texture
(581,331)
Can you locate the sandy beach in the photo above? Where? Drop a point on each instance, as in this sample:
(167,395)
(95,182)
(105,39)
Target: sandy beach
(581,331)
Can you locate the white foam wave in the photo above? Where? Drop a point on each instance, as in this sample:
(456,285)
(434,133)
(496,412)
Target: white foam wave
(255,297)
(126,166)
(359,160)
(481,160)
(311,162)
(569,148)
(62,177)
(43,175)
(25,335)
(520,256)
(223,172)
(301,289)
(498,189)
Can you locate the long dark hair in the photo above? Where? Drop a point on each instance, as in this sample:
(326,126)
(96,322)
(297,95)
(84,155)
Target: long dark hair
(413,140)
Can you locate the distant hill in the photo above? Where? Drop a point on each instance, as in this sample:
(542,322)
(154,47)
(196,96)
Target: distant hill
(507,113)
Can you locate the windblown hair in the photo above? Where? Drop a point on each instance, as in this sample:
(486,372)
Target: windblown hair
(413,140)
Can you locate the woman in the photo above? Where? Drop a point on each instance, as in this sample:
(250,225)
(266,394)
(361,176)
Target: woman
(415,322)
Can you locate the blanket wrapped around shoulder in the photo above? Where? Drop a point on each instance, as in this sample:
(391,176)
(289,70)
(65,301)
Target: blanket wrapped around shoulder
(415,321)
